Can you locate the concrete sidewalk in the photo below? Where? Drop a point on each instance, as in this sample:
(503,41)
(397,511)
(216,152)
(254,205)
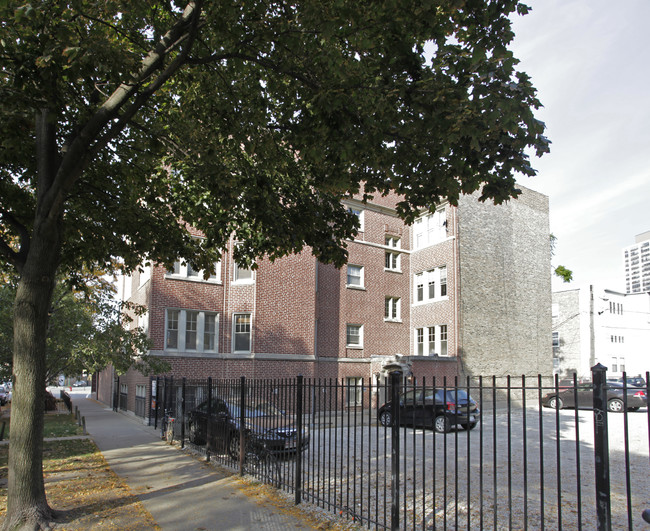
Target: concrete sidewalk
(180,492)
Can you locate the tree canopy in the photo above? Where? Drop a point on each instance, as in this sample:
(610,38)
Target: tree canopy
(253,118)
(123,123)
(88,330)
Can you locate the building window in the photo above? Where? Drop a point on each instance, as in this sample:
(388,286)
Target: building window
(172,329)
(354,336)
(436,282)
(210,332)
(419,287)
(243,274)
(355,276)
(183,270)
(436,341)
(359,214)
(430,229)
(443,340)
(614,365)
(242,332)
(443,281)
(392,257)
(556,343)
(191,324)
(191,330)
(354,391)
(392,309)
(621,364)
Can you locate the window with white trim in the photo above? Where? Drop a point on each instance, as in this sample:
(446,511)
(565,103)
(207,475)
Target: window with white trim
(431,285)
(354,391)
(243,274)
(392,262)
(241,332)
(191,330)
(354,336)
(183,270)
(392,309)
(359,213)
(614,364)
(430,229)
(355,276)
(431,340)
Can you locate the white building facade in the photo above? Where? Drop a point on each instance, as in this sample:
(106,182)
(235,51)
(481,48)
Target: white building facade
(637,265)
(592,325)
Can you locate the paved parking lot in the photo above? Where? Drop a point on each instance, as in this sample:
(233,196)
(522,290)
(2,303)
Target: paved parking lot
(511,471)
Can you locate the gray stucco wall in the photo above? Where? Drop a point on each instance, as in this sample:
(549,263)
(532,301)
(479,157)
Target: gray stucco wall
(567,324)
(505,286)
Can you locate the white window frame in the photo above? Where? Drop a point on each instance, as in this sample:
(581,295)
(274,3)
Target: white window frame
(235,332)
(359,212)
(424,281)
(432,340)
(361,277)
(359,328)
(392,309)
(183,333)
(430,229)
(393,260)
(183,271)
(242,275)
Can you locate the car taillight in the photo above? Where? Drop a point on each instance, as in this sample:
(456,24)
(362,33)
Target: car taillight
(451,406)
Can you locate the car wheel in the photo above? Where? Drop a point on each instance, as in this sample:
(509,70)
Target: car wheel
(385,418)
(442,424)
(615,405)
(233,446)
(555,402)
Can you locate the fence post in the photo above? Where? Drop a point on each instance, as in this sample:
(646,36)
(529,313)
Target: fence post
(183,415)
(395,384)
(116,394)
(601,448)
(298,478)
(242,423)
(208,427)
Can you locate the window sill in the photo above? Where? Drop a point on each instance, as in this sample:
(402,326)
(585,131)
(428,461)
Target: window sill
(392,320)
(388,270)
(358,288)
(354,347)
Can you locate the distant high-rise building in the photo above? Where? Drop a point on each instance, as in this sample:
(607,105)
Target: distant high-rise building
(637,264)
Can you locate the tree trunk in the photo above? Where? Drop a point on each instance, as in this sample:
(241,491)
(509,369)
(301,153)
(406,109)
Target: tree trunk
(27,506)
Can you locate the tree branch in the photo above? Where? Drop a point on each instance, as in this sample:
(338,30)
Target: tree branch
(88,141)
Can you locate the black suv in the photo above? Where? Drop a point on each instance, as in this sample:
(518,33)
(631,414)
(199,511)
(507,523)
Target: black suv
(262,420)
(440,409)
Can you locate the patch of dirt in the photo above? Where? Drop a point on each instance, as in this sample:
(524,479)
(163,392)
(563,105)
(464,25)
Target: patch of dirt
(87,494)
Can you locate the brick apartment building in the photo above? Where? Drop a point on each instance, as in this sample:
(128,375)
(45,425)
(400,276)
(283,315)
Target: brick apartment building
(463,291)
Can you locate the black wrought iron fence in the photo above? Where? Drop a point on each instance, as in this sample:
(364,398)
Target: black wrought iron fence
(479,453)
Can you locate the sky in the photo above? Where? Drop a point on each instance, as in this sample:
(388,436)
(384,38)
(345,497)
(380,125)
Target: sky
(590,63)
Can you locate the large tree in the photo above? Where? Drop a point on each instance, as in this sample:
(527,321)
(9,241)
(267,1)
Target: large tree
(123,122)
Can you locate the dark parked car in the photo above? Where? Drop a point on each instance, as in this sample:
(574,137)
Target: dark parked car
(637,381)
(440,409)
(262,420)
(636,397)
